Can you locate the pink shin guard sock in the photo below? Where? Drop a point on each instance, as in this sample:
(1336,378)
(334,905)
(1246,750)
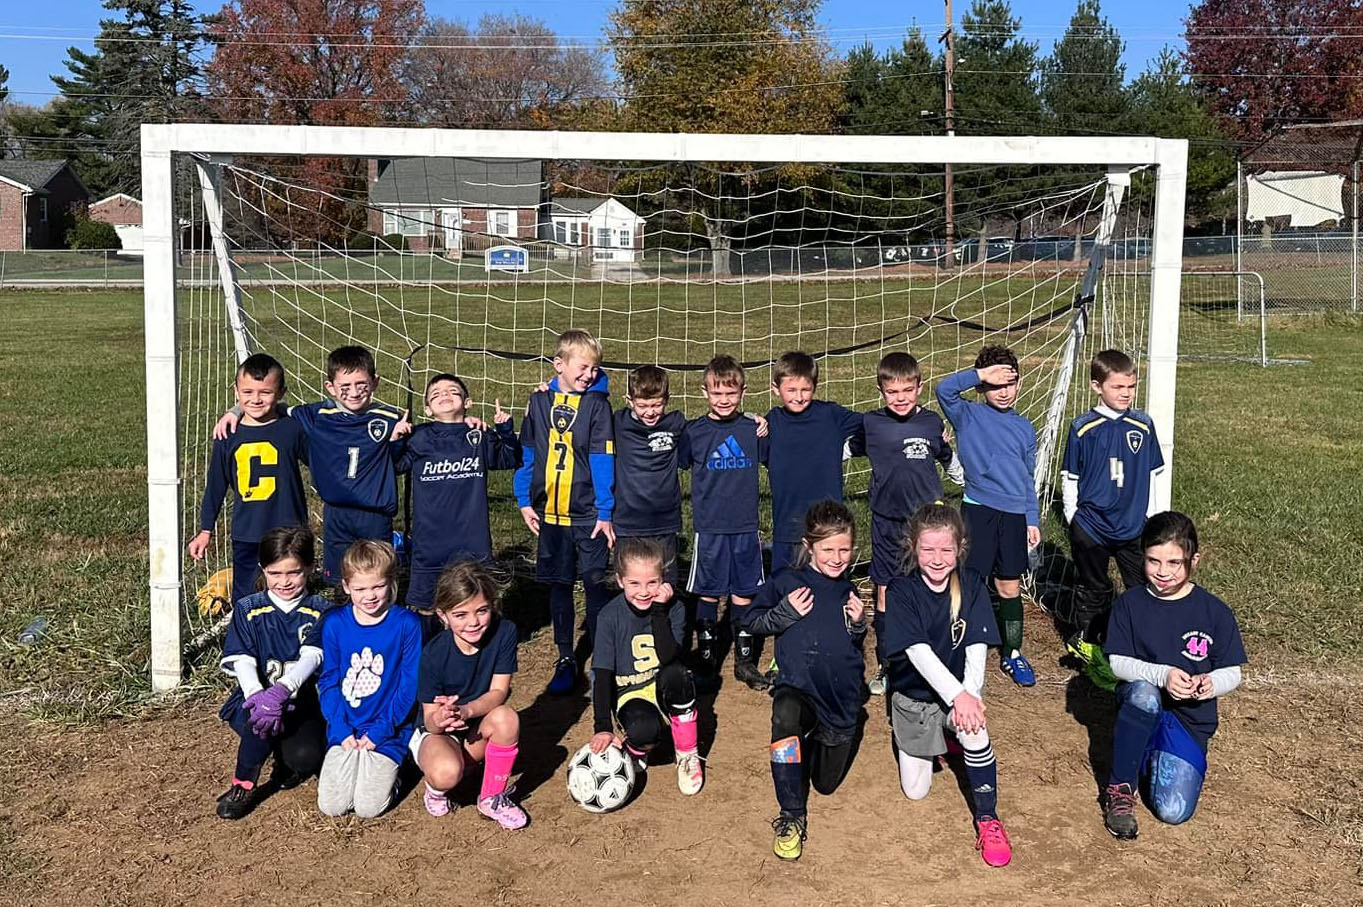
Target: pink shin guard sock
(497,765)
(684,732)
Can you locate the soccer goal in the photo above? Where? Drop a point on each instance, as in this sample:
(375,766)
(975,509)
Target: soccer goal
(469,251)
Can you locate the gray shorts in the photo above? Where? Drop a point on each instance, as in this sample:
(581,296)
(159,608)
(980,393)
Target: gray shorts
(919,727)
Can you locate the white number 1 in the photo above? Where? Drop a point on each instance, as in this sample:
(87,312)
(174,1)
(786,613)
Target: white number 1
(1115,471)
(354,466)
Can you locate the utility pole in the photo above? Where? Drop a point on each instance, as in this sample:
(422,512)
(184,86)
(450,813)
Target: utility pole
(950,39)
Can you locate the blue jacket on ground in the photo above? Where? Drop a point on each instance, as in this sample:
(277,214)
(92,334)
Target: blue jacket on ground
(997,449)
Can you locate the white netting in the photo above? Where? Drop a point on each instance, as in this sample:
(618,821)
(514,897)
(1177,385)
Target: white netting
(667,265)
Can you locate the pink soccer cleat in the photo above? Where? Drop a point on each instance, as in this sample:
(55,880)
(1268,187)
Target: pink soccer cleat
(503,810)
(993,843)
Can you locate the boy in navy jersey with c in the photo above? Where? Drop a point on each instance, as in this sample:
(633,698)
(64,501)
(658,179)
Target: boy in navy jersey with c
(647,490)
(449,460)
(722,449)
(1110,456)
(259,464)
(1176,649)
(905,443)
(805,463)
(998,451)
(565,489)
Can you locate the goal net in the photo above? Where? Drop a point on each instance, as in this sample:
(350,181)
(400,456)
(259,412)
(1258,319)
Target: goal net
(447,251)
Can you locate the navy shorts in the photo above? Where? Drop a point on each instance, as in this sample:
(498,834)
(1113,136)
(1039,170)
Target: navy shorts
(887,548)
(245,568)
(343,527)
(569,552)
(783,554)
(726,564)
(669,545)
(998,541)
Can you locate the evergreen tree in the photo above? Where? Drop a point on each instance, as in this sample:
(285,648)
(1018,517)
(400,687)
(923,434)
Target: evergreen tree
(1082,80)
(996,73)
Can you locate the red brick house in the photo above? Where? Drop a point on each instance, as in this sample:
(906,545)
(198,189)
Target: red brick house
(125,214)
(36,198)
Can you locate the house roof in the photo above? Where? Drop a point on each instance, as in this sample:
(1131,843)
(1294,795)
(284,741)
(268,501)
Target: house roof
(561,205)
(117,196)
(470,182)
(1330,147)
(31,175)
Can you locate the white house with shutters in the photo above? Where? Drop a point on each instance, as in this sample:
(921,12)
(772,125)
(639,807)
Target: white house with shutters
(601,226)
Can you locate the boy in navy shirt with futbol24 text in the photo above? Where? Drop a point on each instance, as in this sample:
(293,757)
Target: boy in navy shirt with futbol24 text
(806,444)
(722,449)
(1110,456)
(1176,649)
(565,489)
(647,490)
(998,450)
(905,443)
(449,459)
(259,465)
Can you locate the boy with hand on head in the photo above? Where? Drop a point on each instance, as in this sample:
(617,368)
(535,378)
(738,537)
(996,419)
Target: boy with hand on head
(565,489)
(723,449)
(350,455)
(647,491)
(905,443)
(449,460)
(998,451)
(260,465)
(807,440)
(1110,456)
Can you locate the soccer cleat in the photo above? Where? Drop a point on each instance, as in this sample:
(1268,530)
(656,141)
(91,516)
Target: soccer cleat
(1082,649)
(690,774)
(748,672)
(878,683)
(1018,668)
(790,837)
(437,802)
(993,843)
(503,810)
(773,671)
(1119,811)
(238,802)
(285,778)
(565,676)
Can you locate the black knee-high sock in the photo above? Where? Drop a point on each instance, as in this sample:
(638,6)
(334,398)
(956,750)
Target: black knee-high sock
(788,777)
(598,596)
(878,624)
(1010,623)
(562,615)
(982,771)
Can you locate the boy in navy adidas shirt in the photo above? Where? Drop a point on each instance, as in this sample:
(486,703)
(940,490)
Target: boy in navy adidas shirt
(722,449)
(449,460)
(905,444)
(805,464)
(1110,456)
(259,464)
(566,491)
(998,451)
(647,490)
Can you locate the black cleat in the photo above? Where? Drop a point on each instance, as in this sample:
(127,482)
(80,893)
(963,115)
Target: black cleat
(238,802)
(750,674)
(1119,811)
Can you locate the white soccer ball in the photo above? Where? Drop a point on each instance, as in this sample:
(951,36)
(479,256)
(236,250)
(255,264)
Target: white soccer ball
(600,782)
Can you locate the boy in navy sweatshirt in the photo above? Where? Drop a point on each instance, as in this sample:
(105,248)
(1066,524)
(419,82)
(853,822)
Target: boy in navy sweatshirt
(647,491)
(998,450)
(806,444)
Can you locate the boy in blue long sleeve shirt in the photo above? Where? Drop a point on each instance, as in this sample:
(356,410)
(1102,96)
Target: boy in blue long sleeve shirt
(997,447)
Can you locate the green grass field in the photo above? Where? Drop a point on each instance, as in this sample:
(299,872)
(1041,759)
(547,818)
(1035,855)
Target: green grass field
(1266,459)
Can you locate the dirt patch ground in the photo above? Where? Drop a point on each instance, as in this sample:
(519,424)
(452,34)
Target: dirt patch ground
(124,815)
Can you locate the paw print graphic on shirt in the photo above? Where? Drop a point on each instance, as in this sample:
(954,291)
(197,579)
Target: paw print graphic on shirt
(364,677)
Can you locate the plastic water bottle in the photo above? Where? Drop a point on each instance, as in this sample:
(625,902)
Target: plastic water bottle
(33,632)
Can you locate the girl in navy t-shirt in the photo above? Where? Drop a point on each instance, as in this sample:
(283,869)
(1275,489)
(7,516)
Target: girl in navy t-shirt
(1177,649)
(463,685)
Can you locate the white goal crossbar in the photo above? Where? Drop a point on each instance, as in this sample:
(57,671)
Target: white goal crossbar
(1166,158)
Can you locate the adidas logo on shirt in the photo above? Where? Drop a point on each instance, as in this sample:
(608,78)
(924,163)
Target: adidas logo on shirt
(728,455)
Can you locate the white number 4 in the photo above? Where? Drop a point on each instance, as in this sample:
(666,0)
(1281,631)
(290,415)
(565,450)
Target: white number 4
(354,466)
(1115,471)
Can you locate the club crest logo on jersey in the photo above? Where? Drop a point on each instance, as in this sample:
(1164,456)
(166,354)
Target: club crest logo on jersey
(1196,645)
(562,417)
(660,441)
(378,430)
(1134,440)
(303,631)
(916,449)
(957,632)
(728,455)
(474,436)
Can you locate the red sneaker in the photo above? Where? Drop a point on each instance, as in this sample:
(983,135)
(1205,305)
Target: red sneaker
(993,843)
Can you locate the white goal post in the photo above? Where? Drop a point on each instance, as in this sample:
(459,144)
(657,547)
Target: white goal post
(163,145)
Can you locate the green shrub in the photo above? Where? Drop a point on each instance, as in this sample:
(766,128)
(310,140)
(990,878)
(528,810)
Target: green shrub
(92,234)
(396,241)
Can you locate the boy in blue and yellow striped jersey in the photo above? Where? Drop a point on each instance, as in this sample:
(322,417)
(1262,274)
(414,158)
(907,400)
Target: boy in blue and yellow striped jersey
(565,488)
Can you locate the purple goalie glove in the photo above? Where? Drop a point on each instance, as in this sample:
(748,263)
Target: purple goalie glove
(266,709)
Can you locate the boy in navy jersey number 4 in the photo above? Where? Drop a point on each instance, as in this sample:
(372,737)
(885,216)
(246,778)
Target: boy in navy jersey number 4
(998,450)
(565,489)
(647,490)
(1110,456)
(1176,649)
(905,443)
(449,460)
(805,462)
(722,449)
(259,465)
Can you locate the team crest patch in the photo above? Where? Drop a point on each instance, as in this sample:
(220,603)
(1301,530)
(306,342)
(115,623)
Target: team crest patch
(378,430)
(562,417)
(474,437)
(1196,645)
(957,631)
(1134,440)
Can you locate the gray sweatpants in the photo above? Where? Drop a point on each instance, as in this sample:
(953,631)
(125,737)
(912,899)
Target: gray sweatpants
(362,780)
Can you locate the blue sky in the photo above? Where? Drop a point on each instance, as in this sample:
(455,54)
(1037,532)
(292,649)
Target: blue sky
(34,36)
